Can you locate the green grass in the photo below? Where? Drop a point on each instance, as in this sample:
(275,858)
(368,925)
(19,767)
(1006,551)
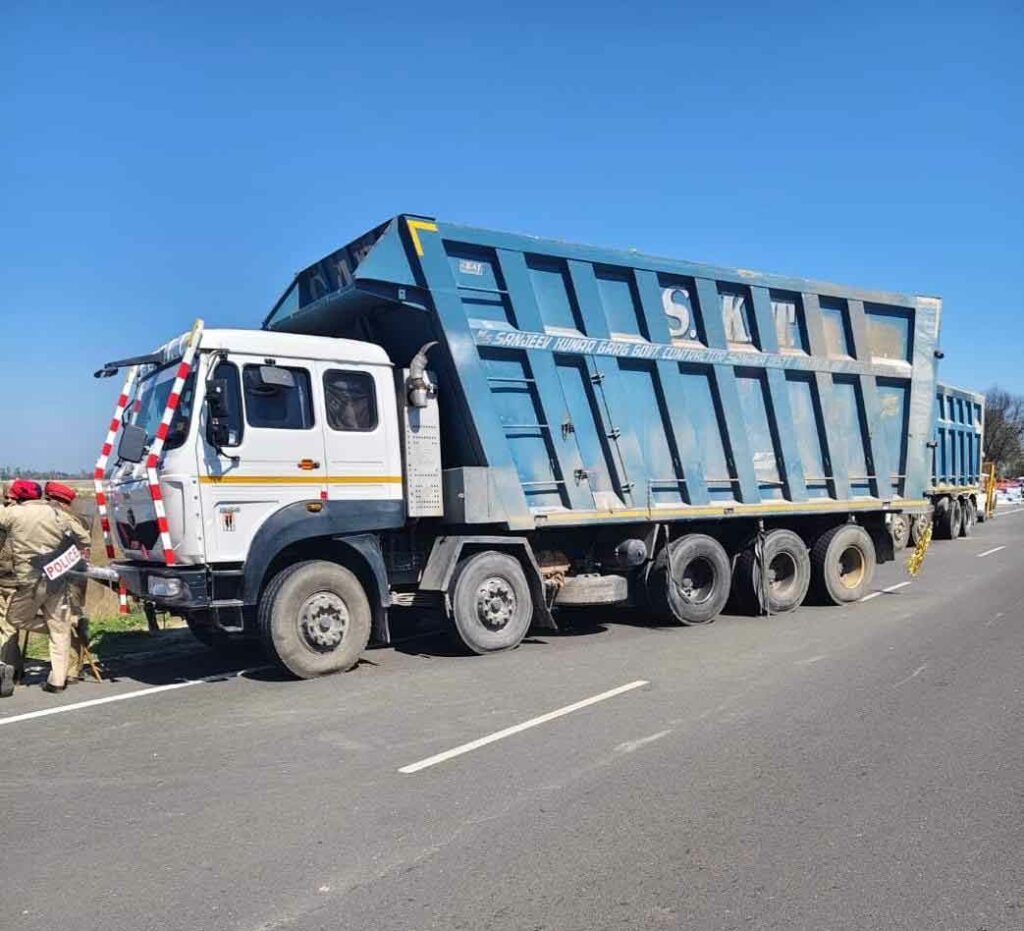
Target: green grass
(120,635)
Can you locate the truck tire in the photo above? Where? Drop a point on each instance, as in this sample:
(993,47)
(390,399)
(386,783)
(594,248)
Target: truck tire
(314,618)
(491,603)
(843,564)
(968,516)
(789,574)
(690,580)
(900,530)
(918,525)
(587,591)
(948,517)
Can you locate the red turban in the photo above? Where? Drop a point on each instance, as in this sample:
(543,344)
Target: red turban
(24,490)
(59,492)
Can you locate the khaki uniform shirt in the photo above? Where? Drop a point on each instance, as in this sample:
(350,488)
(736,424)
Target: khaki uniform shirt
(38,531)
(6,556)
(76,586)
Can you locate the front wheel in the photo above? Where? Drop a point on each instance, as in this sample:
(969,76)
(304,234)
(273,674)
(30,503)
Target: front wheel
(491,602)
(314,619)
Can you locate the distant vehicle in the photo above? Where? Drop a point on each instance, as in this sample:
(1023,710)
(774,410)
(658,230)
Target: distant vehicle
(501,426)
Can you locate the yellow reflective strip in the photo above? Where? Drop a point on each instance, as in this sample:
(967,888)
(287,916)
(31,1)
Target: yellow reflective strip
(300,480)
(414,231)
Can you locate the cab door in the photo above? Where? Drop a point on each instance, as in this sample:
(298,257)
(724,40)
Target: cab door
(361,440)
(274,456)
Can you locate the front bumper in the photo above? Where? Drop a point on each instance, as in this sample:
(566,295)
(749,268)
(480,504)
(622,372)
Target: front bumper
(171,588)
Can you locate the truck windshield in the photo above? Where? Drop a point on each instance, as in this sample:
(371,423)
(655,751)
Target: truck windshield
(150,398)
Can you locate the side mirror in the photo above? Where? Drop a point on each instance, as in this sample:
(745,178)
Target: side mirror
(218,421)
(216,397)
(132,445)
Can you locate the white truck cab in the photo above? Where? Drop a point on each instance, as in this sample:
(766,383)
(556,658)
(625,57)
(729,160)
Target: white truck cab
(278,440)
(326,429)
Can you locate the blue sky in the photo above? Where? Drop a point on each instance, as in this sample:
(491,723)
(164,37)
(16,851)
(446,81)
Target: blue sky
(162,161)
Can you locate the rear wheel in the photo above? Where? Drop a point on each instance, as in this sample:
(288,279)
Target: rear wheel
(690,580)
(918,526)
(948,518)
(969,517)
(314,618)
(491,602)
(789,574)
(843,563)
(900,530)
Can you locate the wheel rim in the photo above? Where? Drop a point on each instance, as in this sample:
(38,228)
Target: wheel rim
(323,621)
(782,574)
(496,602)
(697,580)
(851,567)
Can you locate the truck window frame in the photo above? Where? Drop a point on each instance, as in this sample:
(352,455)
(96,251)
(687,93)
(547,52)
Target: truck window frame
(356,374)
(303,376)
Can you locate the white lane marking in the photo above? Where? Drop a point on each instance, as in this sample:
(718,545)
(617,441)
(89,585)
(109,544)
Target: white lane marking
(913,675)
(891,588)
(630,745)
(1007,513)
(811,659)
(995,549)
(517,728)
(124,696)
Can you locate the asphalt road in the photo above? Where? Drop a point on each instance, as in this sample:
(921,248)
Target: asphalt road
(853,768)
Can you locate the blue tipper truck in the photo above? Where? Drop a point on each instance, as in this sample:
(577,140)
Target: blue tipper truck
(502,427)
(957,450)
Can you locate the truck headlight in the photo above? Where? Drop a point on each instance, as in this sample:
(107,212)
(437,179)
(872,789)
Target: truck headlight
(164,588)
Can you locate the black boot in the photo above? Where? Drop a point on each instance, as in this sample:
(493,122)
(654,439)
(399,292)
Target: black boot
(47,687)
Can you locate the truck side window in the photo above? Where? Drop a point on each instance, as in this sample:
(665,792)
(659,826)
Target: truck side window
(350,400)
(228,372)
(276,406)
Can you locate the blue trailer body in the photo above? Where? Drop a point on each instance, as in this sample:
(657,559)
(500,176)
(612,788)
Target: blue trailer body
(584,384)
(957,440)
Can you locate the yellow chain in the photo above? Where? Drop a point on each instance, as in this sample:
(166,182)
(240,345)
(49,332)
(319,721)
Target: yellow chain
(917,557)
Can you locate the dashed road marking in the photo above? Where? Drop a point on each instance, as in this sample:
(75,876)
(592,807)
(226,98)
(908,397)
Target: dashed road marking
(124,696)
(882,591)
(518,728)
(630,745)
(995,549)
(913,675)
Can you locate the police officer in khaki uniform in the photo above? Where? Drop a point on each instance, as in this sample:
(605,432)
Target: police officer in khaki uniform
(40,532)
(11,661)
(62,496)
